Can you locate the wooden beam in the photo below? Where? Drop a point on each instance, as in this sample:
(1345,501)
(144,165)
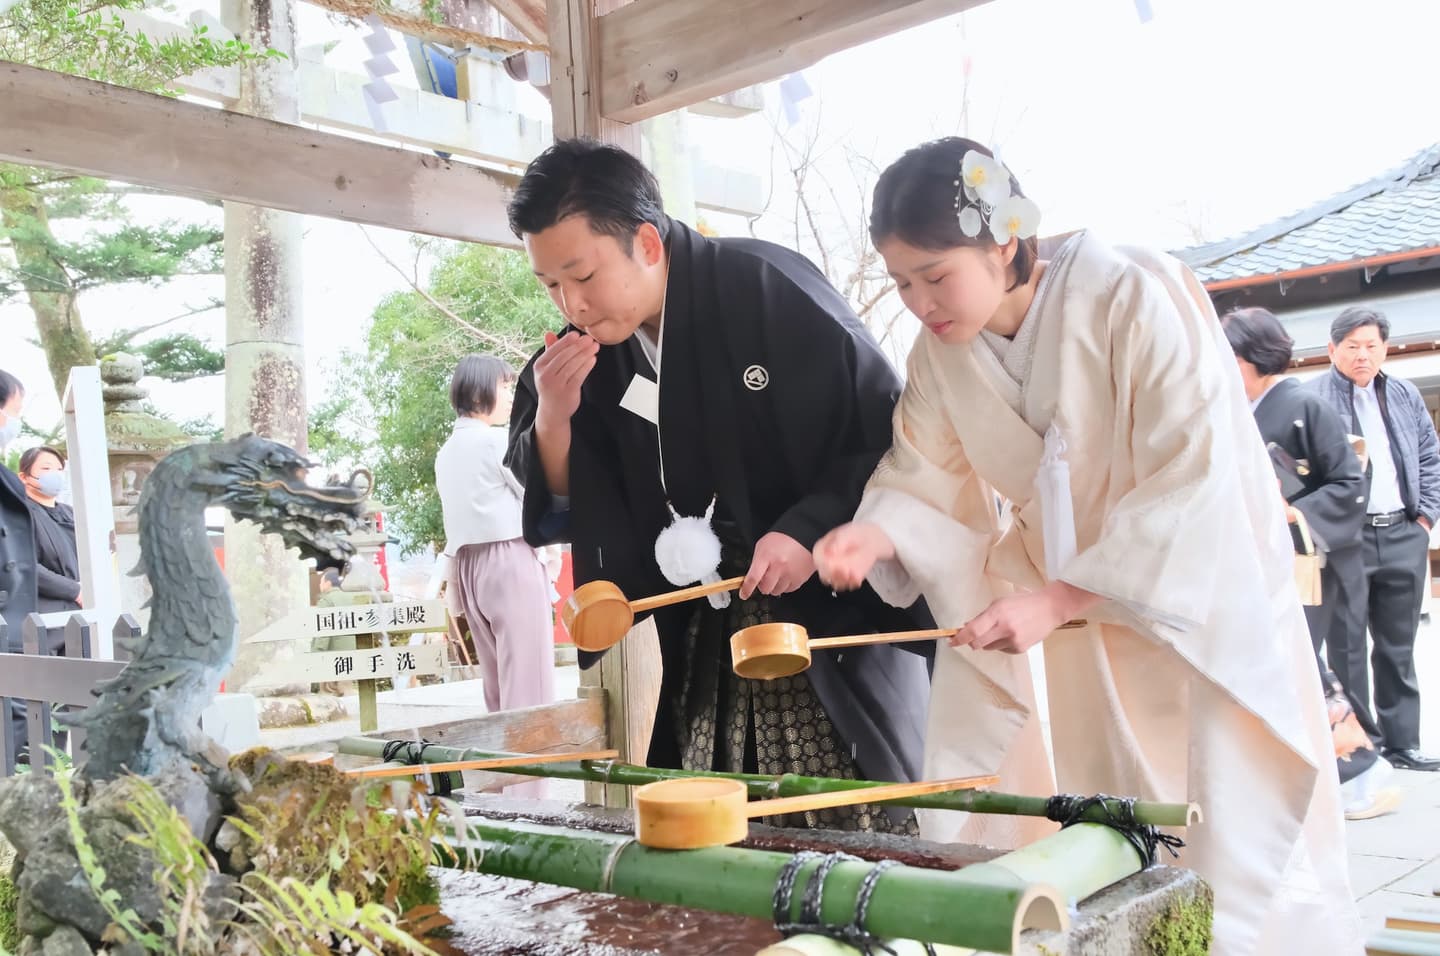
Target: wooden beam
(527,16)
(661,55)
(487,133)
(59,680)
(66,122)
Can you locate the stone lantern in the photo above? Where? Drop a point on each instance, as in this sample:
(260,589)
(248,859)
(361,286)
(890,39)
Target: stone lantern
(136,441)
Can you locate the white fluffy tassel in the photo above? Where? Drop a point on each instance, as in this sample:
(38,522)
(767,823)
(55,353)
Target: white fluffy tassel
(1057,508)
(688,552)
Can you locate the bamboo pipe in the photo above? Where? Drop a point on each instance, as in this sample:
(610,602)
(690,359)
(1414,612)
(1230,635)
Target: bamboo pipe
(485,763)
(984,906)
(762,786)
(768,651)
(1395,942)
(1420,919)
(699,812)
(597,615)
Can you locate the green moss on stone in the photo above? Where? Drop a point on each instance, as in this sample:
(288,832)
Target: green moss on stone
(1184,929)
(137,431)
(9,901)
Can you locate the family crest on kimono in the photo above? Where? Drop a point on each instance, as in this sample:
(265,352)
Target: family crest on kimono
(1096,397)
(721,383)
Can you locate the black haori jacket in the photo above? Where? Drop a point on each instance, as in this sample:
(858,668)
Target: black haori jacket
(775,400)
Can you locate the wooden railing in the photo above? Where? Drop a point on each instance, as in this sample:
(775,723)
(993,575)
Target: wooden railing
(42,682)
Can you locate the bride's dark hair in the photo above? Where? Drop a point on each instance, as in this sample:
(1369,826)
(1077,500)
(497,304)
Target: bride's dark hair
(915,203)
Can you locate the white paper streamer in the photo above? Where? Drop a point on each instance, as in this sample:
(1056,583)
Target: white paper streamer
(1057,509)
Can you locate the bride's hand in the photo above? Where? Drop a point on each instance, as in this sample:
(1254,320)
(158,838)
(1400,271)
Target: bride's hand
(1018,622)
(845,556)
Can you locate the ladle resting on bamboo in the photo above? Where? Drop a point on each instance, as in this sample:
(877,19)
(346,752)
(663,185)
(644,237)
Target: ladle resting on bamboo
(768,651)
(696,812)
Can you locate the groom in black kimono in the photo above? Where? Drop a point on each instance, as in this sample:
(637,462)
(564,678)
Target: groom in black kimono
(773,405)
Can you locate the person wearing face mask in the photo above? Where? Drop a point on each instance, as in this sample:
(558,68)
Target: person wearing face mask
(57,556)
(18,595)
(1094,397)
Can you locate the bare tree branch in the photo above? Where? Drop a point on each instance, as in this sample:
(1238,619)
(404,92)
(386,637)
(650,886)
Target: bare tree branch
(890,324)
(509,348)
(190,310)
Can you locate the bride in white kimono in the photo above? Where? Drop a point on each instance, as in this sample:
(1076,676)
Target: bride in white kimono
(1194,678)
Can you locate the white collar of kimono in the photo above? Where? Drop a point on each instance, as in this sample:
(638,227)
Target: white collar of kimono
(653,344)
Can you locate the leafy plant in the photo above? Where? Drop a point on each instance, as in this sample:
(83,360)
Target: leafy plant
(351,875)
(182,865)
(312,825)
(289,916)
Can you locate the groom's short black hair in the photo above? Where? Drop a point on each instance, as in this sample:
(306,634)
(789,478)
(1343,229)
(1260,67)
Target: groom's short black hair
(581,177)
(1256,335)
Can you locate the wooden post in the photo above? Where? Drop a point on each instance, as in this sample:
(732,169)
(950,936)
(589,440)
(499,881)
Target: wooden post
(37,712)
(264,333)
(629,673)
(126,633)
(369,706)
(94,515)
(79,643)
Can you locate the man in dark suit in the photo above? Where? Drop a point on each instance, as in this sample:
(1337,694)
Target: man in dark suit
(18,595)
(1402,503)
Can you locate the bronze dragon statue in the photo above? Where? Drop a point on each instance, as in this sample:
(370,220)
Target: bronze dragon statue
(148,718)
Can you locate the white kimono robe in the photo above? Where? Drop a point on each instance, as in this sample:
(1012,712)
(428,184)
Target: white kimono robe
(1195,679)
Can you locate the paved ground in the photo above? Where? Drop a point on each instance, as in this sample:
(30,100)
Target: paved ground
(1395,859)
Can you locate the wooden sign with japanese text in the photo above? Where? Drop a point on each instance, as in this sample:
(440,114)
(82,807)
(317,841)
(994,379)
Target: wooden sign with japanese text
(397,618)
(363,664)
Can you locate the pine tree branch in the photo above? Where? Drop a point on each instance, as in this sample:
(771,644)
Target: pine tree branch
(126,336)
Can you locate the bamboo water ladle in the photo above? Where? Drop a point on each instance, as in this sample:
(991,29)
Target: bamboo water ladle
(696,812)
(597,615)
(768,651)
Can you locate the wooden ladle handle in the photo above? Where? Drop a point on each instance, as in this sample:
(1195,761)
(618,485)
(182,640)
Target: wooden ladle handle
(488,763)
(685,594)
(899,637)
(844,798)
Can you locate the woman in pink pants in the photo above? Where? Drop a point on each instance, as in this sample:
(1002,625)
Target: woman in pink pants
(496,581)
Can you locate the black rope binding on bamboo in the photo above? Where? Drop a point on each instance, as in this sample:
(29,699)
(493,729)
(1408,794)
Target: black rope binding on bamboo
(1068,809)
(406,751)
(854,933)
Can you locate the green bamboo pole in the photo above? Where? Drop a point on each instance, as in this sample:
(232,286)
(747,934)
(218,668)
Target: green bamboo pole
(983,906)
(762,786)
(1072,861)
(1398,942)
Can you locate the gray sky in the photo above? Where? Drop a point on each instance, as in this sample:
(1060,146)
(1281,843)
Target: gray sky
(1214,117)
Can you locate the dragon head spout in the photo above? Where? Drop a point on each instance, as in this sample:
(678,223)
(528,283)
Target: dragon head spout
(263,481)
